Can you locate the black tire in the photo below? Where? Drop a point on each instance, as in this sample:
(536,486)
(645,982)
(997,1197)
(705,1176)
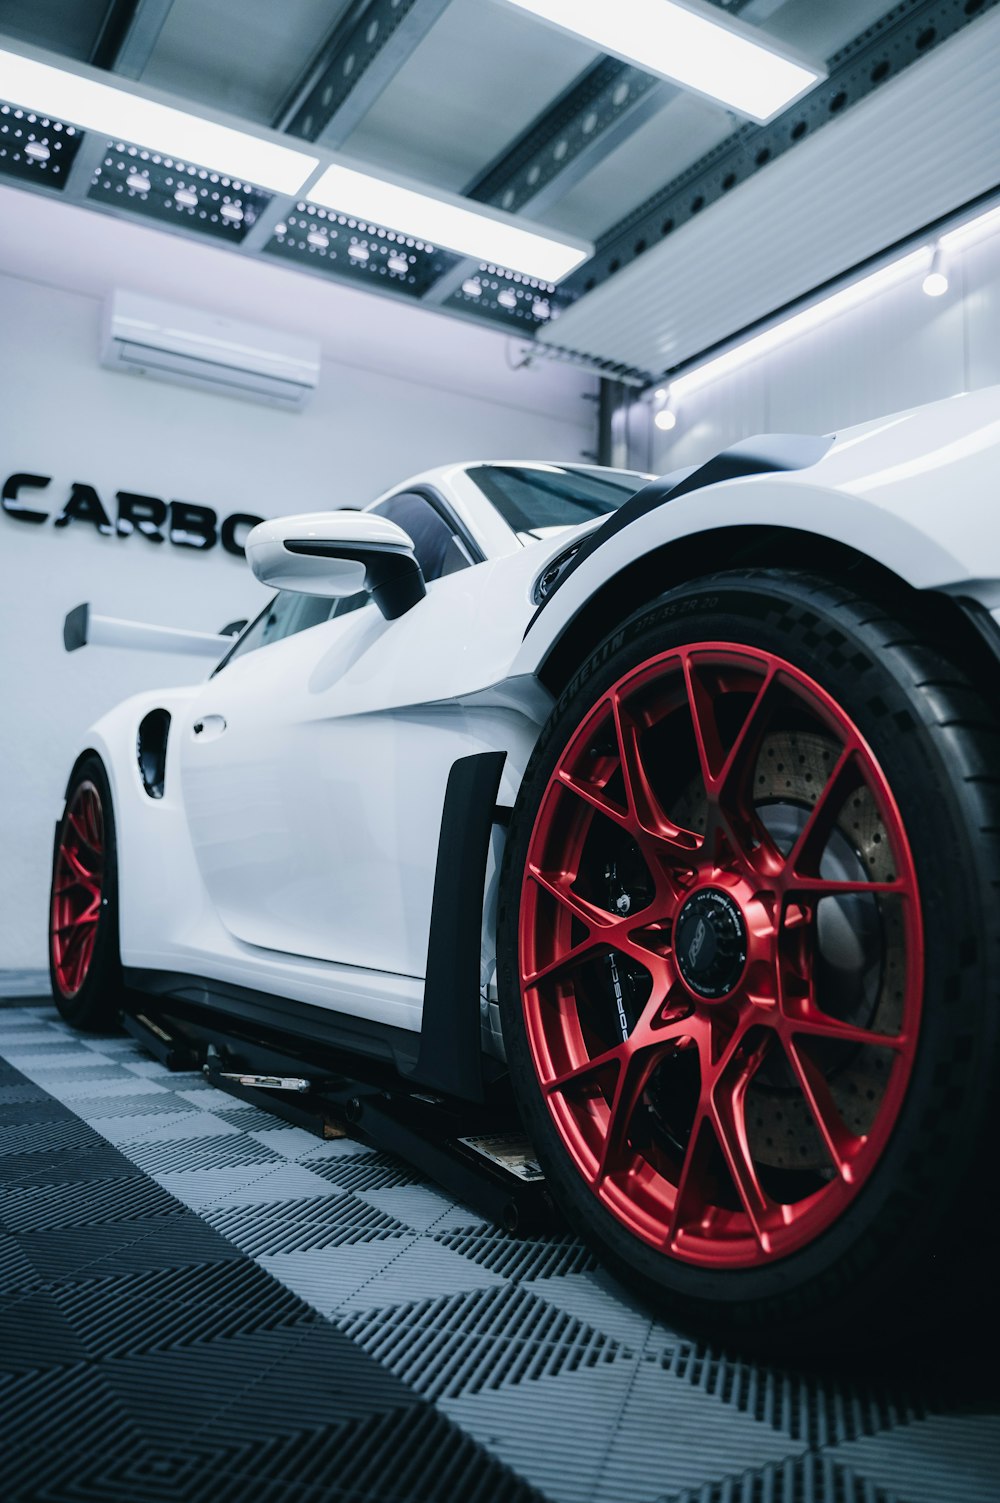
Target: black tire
(94,1004)
(927,1208)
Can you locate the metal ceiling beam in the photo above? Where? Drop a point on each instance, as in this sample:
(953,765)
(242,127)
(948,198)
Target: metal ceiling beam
(907,32)
(601,108)
(359,59)
(129,32)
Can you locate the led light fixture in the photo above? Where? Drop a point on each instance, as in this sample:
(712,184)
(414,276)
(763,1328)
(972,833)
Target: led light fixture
(665,419)
(691,44)
(85,101)
(799,323)
(972,230)
(935,283)
(486,235)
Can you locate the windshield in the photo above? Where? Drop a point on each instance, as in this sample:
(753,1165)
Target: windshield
(532,497)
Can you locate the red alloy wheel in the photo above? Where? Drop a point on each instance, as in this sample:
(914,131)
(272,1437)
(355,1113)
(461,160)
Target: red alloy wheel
(77,885)
(721,956)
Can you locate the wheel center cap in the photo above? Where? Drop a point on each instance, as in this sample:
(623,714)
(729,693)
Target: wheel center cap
(710,943)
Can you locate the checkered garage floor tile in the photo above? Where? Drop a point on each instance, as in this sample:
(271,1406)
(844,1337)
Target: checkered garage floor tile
(198,1302)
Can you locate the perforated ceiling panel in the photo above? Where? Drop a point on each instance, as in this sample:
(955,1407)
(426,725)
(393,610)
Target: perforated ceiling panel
(34,147)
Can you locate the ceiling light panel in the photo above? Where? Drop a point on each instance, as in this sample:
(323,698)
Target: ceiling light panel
(486,236)
(177,193)
(124,116)
(689,44)
(318,240)
(35,147)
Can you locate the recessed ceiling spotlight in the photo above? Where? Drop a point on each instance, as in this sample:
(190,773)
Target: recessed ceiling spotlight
(122,115)
(665,419)
(692,44)
(444,219)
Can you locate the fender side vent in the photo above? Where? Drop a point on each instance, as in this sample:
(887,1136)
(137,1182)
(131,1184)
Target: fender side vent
(151,750)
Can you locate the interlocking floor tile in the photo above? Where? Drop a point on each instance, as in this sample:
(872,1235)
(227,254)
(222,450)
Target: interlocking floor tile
(944,1456)
(223,1308)
(290,1226)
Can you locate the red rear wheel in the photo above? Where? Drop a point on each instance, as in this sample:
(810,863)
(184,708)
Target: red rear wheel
(77,885)
(748,957)
(84,961)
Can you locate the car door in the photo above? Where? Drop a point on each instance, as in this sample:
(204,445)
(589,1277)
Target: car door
(315,761)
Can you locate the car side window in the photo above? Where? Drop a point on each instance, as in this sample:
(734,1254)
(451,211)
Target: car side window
(438,548)
(436,544)
(287,614)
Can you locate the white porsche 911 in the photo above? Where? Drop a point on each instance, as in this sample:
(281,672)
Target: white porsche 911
(671,805)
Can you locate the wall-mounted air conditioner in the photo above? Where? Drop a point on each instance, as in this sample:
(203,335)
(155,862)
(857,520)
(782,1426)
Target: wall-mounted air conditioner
(170,342)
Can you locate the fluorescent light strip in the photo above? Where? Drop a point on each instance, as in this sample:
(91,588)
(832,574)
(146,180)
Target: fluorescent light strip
(124,116)
(495,239)
(799,323)
(694,47)
(971,230)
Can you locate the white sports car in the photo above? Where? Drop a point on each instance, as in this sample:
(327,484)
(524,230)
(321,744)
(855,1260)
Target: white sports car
(671,805)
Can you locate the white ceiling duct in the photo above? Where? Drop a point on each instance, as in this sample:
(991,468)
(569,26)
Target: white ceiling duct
(911,152)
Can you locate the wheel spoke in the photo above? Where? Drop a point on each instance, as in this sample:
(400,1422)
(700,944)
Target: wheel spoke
(820,1025)
(803,861)
(646,817)
(561,889)
(720,768)
(643,1039)
(592,795)
(606,931)
(840,1144)
(83,831)
(88,877)
(732,829)
(818,887)
(689,1204)
(633,1077)
(642,802)
(74,924)
(588,948)
(728,1120)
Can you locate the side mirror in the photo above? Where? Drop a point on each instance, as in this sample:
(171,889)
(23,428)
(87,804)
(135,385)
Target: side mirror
(338,553)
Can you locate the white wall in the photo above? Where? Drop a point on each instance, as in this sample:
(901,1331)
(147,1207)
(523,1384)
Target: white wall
(401,389)
(896,350)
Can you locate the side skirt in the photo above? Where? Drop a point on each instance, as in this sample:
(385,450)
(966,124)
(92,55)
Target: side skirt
(314,1034)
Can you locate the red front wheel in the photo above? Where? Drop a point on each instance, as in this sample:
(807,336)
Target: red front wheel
(722,1012)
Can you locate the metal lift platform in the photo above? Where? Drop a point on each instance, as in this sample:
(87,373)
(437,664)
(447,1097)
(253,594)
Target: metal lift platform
(478,1154)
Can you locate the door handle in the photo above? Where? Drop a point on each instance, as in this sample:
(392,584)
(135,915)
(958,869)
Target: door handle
(208,727)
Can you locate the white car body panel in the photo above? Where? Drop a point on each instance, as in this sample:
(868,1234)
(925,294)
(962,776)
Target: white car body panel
(294,849)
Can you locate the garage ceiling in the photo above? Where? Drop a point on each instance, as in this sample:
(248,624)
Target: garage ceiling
(475,97)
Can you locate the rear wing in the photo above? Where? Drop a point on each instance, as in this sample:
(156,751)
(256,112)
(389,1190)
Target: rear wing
(82,628)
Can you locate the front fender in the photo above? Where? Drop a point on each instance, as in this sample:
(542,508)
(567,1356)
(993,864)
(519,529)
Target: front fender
(915,493)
